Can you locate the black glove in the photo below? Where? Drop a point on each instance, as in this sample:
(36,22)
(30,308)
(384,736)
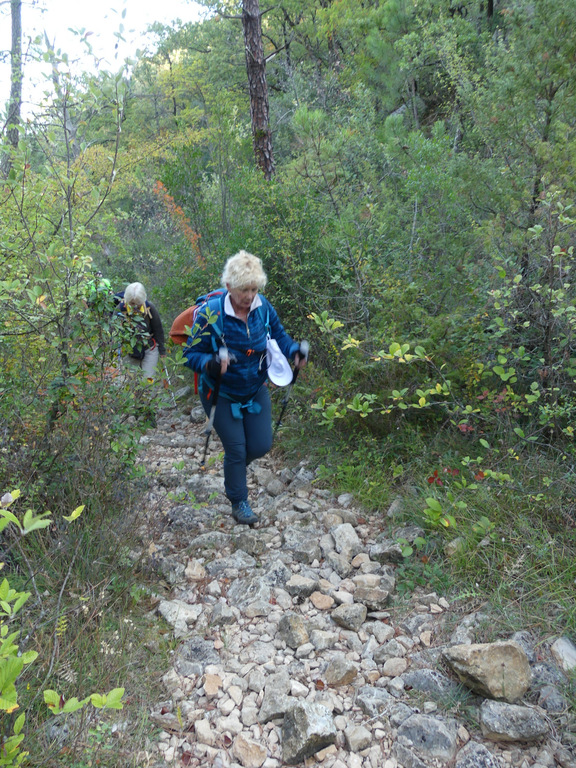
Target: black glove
(213,367)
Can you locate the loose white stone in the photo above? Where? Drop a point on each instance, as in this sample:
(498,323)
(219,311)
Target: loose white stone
(204,734)
(307,649)
(370,567)
(249,715)
(283,599)
(195,571)
(212,685)
(394,667)
(463,734)
(327,752)
(341,722)
(298,689)
(343,598)
(396,686)
(273,737)
(235,693)
(226,706)
(426,638)
(231,724)
(564,651)
(171,682)
(367,581)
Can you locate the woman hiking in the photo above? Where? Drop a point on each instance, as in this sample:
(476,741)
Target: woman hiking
(227,348)
(143,326)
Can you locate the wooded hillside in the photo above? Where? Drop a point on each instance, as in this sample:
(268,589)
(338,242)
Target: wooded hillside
(406,171)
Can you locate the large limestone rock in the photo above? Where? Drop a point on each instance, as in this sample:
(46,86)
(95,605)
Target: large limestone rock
(509,722)
(307,728)
(180,615)
(426,738)
(346,541)
(292,630)
(474,755)
(498,670)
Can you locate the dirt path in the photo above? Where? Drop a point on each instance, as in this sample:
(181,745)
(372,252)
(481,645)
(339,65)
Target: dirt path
(294,648)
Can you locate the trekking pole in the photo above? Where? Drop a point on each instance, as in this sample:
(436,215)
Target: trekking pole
(169,385)
(222,356)
(304,349)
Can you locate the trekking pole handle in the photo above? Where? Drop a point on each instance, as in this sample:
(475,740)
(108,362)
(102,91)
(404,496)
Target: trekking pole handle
(223,355)
(304,349)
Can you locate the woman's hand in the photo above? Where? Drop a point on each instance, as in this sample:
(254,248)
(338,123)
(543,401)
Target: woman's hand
(301,357)
(217,365)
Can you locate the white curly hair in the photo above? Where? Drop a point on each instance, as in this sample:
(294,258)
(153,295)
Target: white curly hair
(243,269)
(135,295)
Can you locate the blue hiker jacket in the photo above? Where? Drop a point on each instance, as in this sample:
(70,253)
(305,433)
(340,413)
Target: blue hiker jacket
(245,341)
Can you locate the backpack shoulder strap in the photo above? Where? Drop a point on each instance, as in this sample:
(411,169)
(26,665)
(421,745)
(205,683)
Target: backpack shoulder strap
(215,305)
(264,312)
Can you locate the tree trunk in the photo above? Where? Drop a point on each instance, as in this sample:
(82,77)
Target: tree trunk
(15,104)
(256,69)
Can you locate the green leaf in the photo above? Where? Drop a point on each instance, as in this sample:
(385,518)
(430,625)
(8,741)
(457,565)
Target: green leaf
(32,522)
(98,700)
(434,504)
(114,698)
(75,514)
(22,597)
(19,723)
(29,656)
(73,704)
(407,551)
(52,699)
(10,518)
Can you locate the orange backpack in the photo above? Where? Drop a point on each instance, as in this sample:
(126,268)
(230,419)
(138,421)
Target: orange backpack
(183,324)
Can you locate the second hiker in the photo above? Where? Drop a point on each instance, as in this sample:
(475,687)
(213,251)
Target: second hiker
(228,347)
(143,330)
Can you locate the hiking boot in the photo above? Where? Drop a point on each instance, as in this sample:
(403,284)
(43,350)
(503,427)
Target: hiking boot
(243,513)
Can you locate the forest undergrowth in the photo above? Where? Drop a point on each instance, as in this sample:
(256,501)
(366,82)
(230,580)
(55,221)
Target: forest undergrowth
(412,200)
(487,539)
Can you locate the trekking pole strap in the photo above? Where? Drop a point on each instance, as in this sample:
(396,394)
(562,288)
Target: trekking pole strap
(222,356)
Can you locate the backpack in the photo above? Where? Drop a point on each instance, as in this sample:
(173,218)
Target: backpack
(183,324)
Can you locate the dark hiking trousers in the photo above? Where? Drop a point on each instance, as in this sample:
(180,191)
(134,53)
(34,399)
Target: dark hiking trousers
(243,439)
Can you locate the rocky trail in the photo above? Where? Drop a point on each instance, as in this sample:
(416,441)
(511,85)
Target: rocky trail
(293,647)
